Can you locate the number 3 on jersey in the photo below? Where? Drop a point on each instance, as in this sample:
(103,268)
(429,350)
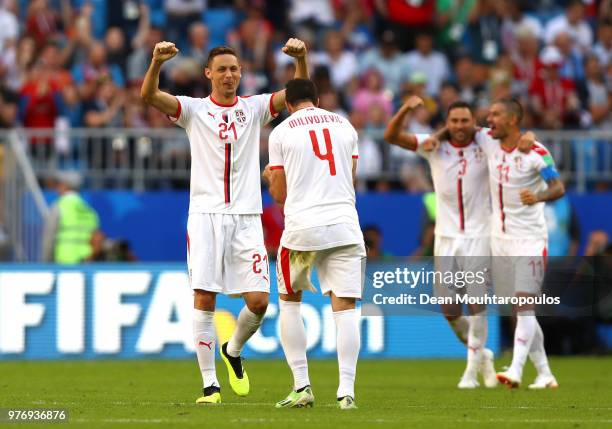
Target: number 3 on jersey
(329,155)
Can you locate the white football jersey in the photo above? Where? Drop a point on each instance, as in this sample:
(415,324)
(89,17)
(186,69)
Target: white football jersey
(316,147)
(460,178)
(509,172)
(224,140)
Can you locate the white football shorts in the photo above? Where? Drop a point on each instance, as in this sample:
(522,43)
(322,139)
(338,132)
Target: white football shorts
(340,270)
(519,265)
(226,253)
(462,255)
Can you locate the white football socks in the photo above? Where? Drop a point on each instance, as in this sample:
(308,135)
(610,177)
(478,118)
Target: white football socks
(537,353)
(347,343)
(477,338)
(461,326)
(526,327)
(293,340)
(204,339)
(248,323)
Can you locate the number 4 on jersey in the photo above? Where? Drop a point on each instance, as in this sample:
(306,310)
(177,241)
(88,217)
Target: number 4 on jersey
(329,155)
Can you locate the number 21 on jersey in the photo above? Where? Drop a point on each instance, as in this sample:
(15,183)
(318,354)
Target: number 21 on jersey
(328,155)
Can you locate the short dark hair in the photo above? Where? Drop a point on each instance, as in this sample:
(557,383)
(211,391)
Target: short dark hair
(460,105)
(513,106)
(299,90)
(219,50)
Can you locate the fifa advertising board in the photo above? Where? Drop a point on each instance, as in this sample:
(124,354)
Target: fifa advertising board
(144,311)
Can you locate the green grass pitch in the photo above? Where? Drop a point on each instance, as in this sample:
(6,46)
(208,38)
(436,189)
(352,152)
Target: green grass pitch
(418,393)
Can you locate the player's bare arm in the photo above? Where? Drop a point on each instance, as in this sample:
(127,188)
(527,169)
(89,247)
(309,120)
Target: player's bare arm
(555,190)
(354,170)
(150,92)
(297,49)
(393,132)
(277,183)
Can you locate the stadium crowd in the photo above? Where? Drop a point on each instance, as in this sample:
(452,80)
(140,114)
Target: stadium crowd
(78,63)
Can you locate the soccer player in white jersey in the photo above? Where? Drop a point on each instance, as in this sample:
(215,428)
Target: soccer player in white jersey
(313,157)
(463,216)
(225,246)
(520,184)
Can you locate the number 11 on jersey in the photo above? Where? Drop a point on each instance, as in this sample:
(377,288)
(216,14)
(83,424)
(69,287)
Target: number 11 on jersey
(329,155)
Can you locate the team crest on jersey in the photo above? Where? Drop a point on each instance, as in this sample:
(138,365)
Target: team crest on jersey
(479,154)
(240,116)
(518,162)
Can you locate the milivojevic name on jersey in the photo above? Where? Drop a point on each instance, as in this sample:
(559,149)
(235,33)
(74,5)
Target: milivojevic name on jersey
(314,119)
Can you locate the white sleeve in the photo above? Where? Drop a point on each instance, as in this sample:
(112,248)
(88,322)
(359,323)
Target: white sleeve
(355,143)
(420,139)
(275,150)
(186,107)
(263,107)
(485,141)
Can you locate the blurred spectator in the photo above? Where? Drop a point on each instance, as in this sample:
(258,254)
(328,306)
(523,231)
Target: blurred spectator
(514,18)
(106,109)
(573,23)
(309,17)
(96,70)
(595,95)
(42,22)
(372,236)
(572,66)
(356,17)
(180,14)
(273,223)
(369,164)
(553,98)
(252,38)
(9,26)
(139,59)
(425,60)
(483,32)
(603,47)
(449,93)
(128,16)
(372,93)
(407,19)
(116,48)
(329,101)
(8,107)
(198,46)
(467,80)
(388,60)
(452,17)
(70,224)
(105,250)
(341,62)
(40,103)
(526,59)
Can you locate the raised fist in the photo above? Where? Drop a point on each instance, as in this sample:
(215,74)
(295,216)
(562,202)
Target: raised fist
(164,51)
(413,102)
(295,48)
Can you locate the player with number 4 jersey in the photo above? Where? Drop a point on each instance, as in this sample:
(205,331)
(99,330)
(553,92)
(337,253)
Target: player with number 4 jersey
(313,157)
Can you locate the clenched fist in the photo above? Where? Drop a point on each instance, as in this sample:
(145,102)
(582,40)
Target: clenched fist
(528,198)
(164,51)
(295,48)
(413,102)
